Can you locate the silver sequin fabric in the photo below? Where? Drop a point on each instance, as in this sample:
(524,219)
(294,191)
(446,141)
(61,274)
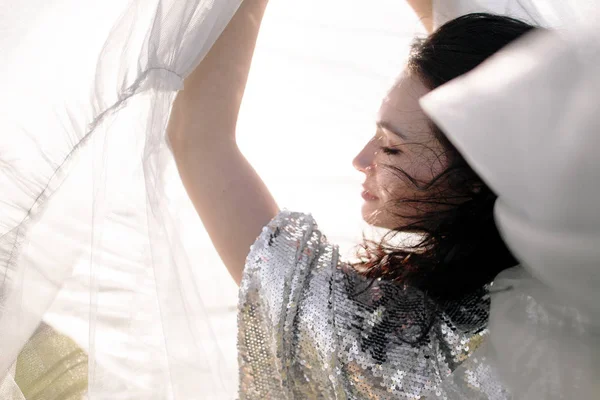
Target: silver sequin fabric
(309,327)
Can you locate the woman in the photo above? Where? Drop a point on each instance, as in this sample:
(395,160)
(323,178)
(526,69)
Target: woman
(310,325)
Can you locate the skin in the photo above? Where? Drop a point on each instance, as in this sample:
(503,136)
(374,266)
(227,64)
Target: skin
(402,128)
(424,10)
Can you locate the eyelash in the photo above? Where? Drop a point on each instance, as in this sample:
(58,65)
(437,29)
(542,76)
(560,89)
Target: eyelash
(390,151)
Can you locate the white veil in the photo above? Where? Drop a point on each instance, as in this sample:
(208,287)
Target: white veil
(89,224)
(87,210)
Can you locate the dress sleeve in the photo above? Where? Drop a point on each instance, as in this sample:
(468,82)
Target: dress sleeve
(309,326)
(275,276)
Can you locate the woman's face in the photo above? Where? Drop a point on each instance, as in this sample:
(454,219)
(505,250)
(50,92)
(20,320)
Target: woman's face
(403,139)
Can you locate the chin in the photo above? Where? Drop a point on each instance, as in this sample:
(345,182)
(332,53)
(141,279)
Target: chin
(370,214)
(378,219)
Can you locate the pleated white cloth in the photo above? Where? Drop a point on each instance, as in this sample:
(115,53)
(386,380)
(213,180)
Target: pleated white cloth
(87,204)
(528,122)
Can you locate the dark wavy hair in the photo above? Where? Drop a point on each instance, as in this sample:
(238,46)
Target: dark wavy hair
(459,249)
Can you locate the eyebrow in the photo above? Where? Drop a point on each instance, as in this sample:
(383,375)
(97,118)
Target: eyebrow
(387,127)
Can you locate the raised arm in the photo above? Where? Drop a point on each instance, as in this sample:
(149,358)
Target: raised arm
(231,199)
(424,10)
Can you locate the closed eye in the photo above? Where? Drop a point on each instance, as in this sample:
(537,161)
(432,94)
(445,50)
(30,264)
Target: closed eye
(390,151)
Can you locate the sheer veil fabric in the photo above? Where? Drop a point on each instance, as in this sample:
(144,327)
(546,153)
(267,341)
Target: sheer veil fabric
(88,208)
(87,202)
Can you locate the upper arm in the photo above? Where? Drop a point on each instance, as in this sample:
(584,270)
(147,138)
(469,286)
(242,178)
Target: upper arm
(424,10)
(232,201)
(230,198)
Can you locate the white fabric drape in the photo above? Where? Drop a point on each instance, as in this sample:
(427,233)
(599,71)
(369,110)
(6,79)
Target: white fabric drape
(88,210)
(85,178)
(528,122)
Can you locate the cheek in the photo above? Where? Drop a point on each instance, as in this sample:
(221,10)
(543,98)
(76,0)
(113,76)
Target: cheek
(391,185)
(429,164)
(420,167)
(421,171)
(394,184)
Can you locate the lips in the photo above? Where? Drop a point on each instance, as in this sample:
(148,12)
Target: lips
(368,195)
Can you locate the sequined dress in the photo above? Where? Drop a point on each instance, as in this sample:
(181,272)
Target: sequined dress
(311,328)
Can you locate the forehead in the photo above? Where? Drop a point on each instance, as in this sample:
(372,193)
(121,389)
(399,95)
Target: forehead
(400,107)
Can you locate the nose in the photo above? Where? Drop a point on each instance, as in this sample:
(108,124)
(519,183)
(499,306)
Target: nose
(365,159)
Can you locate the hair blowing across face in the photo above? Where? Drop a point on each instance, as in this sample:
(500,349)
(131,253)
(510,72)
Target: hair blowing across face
(460,249)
